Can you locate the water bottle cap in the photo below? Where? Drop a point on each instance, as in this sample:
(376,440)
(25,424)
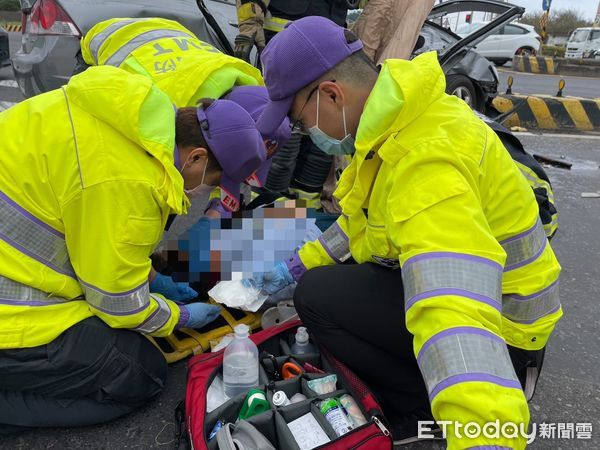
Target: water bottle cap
(302,335)
(241,330)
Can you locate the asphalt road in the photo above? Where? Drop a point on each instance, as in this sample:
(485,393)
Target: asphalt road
(529,83)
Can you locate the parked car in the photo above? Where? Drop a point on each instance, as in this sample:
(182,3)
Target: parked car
(584,43)
(4,48)
(500,46)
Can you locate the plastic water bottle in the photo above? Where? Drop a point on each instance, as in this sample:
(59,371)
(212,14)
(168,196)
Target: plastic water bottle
(240,363)
(302,346)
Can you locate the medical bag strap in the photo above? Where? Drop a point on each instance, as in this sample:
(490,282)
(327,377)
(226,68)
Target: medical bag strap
(215,26)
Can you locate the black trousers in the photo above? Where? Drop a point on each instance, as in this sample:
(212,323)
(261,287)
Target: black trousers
(90,374)
(357,312)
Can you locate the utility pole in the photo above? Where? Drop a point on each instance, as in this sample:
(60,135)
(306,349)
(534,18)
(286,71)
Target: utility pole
(597,21)
(544,19)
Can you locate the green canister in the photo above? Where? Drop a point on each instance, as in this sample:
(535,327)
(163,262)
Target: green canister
(335,415)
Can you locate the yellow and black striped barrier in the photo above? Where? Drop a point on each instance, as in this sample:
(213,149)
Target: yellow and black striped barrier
(550,113)
(14,27)
(534,64)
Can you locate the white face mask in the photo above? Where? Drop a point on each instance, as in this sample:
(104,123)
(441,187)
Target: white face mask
(201,188)
(330,145)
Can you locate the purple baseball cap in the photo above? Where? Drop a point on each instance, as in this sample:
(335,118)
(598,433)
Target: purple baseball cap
(303,52)
(233,139)
(254,99)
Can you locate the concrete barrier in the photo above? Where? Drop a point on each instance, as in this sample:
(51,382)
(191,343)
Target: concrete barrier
(557,66)
(550,113)
(534,64)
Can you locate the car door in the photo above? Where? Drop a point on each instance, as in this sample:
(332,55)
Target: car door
(593,41)
(490,46)
(512,39)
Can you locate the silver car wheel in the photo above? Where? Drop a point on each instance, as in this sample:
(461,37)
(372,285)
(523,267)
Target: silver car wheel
(464,94)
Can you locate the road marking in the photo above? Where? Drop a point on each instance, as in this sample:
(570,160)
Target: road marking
(558,135)
(510,71)
(6,105)
(9,83)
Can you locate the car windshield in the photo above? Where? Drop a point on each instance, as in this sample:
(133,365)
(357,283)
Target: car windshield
(468,28)
(579,36)
(434,39)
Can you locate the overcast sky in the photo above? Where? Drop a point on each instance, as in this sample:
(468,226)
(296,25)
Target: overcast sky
(587,7)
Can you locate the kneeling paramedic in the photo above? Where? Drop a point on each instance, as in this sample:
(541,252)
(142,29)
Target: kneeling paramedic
(455,291)
(86,186)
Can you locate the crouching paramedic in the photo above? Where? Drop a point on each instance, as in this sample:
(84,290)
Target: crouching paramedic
(187,70)
(89,174)
(455,291)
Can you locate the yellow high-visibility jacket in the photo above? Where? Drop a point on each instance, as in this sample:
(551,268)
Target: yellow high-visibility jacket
(432,190)
(87,181)
(184,67)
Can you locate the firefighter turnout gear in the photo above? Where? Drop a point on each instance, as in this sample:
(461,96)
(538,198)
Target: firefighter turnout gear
(251,22)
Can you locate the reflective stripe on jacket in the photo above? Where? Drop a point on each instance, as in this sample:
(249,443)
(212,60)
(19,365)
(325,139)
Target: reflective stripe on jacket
(184,67)
(86,187)
(432,189)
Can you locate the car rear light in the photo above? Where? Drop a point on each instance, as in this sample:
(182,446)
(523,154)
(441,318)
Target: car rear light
(48,18)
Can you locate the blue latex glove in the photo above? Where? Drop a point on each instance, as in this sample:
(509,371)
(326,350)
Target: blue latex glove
(274,281)
(200,314)
(179,292)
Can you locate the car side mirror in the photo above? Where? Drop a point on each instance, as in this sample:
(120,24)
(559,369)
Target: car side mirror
(26,5)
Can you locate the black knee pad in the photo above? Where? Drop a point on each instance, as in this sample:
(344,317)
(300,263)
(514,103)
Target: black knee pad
(283,165)
(312,168)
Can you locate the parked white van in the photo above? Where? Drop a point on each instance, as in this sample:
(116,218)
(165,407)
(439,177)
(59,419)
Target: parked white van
(584,43)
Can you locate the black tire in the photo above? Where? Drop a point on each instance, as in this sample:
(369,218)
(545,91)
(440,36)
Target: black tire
(500,62)
(463,88)
(526,51)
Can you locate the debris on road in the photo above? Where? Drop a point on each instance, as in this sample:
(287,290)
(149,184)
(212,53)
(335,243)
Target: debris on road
(552,162)
(590,195)
(518,129)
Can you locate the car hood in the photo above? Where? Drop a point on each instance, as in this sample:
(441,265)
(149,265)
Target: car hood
(453,53)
